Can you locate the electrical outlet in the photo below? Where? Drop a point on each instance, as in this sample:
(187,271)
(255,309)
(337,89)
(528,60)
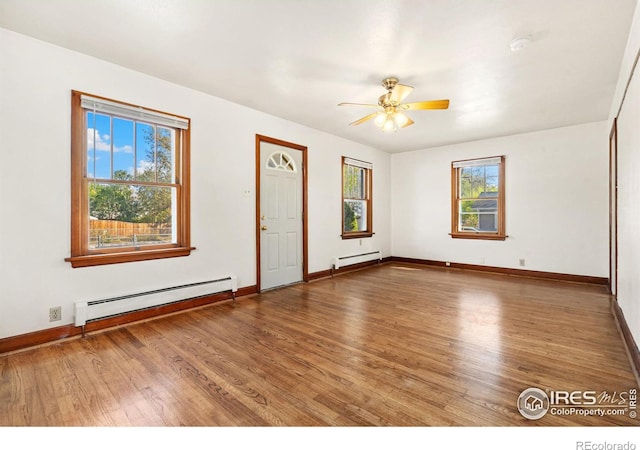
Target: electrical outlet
(55,313)
(522,262)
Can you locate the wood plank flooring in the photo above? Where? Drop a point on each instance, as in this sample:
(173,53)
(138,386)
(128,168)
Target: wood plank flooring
(394,345)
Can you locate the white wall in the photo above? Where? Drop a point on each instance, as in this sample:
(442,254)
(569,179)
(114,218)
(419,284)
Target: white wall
(36,80)
(556,202)
(629,183)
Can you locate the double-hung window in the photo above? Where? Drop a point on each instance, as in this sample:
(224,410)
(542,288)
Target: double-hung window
(357,178)
(477,199)
(130,183)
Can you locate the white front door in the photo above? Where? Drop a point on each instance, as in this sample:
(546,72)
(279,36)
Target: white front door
(281,236)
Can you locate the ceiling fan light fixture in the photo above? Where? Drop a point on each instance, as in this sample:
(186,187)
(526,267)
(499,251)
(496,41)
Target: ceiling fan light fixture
(401,119)
(389,125)
(381,117)
(391,119)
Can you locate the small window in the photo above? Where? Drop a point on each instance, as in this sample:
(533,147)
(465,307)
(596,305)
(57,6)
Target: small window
(477,199)
(356,198)
(281,161)
(130,183)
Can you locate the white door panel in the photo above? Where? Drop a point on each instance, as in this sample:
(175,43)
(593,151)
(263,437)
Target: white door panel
(292,249)
(273,252)
(280,216)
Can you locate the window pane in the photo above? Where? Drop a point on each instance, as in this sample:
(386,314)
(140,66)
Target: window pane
(473,217)
(145,152)
(98,146)
(126,215)
(355,215)
(468,218)
(123,162)
(479,181)
(491,178)
(164,154)
(354,182)
(466,187)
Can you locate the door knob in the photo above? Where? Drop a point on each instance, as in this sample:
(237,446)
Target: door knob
(263,227)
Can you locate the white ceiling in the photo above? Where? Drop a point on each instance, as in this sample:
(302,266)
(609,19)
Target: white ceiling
(298,59)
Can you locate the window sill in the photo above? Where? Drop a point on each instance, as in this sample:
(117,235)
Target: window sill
(485,236)
(357,235)
(117,258)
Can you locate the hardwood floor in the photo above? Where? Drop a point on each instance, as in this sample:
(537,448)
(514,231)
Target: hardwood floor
(394,345)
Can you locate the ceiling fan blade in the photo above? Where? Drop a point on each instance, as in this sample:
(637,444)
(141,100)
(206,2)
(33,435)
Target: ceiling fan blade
(399,93)
(366,105)
(429,104)
(364,119)
(409,122)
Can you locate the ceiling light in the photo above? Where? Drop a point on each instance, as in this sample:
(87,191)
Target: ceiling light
(391,119)
(389,124)
(401,119)
(520,43)
(380,118)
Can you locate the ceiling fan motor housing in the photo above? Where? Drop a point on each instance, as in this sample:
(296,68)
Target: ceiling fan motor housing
(389,83)
(385,100)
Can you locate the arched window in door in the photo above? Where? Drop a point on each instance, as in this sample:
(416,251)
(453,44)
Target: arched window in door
(281,161)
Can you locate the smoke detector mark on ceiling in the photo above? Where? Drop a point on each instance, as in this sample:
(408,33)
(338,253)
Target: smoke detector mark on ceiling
(520,43)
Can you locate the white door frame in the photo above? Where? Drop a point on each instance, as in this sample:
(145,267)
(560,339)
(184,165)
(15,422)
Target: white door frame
(293,147)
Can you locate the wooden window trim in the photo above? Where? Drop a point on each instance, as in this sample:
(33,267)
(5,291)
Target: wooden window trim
(500,235)
(357,235)
(369,193)
(81,255)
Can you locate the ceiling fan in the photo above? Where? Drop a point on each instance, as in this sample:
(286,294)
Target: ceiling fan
(390,110)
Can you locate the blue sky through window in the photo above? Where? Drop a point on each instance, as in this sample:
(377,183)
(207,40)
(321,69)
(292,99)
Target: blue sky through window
(115,144)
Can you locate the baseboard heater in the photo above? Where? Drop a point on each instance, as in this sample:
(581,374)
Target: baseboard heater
(344,261)
(90,311)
